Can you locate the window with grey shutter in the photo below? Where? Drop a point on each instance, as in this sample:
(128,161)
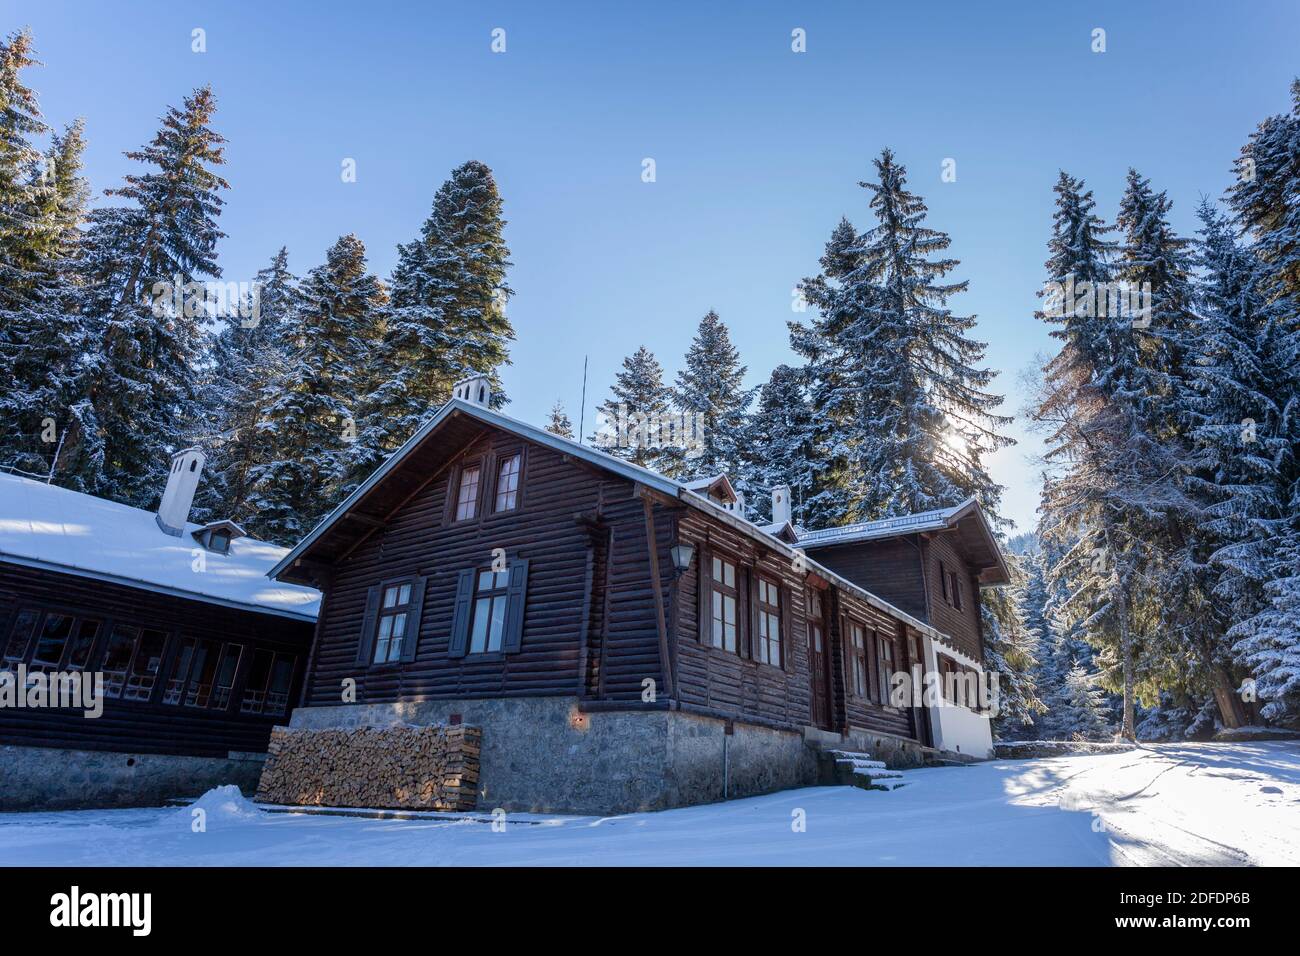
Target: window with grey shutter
(461,613)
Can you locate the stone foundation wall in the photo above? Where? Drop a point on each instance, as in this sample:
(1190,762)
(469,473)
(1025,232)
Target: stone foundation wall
(46,778)
(545,755)
(402,767)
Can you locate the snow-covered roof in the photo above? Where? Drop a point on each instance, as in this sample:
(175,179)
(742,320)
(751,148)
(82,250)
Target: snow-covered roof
(51,527)
(886,527)
(937,519)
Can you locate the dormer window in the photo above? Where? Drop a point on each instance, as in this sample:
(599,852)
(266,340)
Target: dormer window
(217,535)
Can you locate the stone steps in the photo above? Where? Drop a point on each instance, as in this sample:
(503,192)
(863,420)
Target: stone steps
(862,770)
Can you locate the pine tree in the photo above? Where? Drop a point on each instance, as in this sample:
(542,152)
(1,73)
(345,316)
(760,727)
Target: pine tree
(1266,202)
(902,372)
(559,423)
(1086,709)
(711,387)
(447,319)
(1009,653)
(1118,486)
(249,351)
(309,420)
(640,403)
(20,165)
(45,337)
(778,443)
(137,391)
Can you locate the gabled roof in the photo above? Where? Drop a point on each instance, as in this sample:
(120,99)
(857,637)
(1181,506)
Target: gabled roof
(458,410)
(715,485)
(61,530)
(967,517)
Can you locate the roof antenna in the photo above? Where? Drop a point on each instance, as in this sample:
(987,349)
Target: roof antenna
(582,412)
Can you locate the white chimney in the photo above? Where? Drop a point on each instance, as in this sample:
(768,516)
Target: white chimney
(477,390)
(182,482)
(780,504)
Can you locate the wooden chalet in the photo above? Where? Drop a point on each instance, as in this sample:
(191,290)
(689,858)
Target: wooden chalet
(593,617)
(182,653)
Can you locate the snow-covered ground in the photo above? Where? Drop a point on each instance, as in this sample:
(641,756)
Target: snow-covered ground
(1180,804)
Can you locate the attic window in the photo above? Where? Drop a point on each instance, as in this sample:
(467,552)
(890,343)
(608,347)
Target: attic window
(216,537)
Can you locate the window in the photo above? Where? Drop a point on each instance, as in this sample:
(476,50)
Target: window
(219,541)
(767,647)
(884,665)
(508,484)
(393,615)
(117,658)
(943,581)
(144,666)
(60,633)
(956,591)
(467,493)
(203,674)
(724,598)
(269,678)
(20,636)
(490,600)
(858,649)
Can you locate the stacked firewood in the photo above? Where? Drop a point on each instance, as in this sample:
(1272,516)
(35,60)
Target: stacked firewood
(406,767)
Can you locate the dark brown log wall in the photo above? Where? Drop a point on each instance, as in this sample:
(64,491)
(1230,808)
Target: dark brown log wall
(139,726)
(963,626)
(562,651)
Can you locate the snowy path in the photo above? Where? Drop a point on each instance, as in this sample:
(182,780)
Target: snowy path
(1176,804)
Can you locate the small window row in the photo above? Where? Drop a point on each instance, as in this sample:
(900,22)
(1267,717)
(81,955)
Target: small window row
(203,673)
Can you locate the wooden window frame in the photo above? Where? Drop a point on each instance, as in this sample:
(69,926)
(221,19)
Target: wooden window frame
(517,492)
(497,592)
(405,609)
(27,658)
(767,613)
(453,499)
(943,582)
(259,707)
(735,592)
(883,679)
(859,657)
(956,591)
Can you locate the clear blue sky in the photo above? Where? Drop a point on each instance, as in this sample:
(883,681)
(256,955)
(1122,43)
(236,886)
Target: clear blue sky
(758,149)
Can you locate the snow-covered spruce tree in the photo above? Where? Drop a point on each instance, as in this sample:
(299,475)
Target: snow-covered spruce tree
(45,337)
(1086,713)
(778,445)
(1087,437)
(638,400)
(1266,201)
(1009,653)
(20,165)
(903,374)
(447,317)
(137,391)
(559,423)
(1177,581)
(249,350)
(833,377)
(711,386)
(309,424)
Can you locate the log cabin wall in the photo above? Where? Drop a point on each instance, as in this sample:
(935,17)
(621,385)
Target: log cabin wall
(961,625)
(869,712)
(733,683)
(574,559)
(890,568)
(137,726)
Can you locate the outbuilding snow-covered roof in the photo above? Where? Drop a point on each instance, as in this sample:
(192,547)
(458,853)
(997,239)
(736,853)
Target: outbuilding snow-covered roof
(51,527)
